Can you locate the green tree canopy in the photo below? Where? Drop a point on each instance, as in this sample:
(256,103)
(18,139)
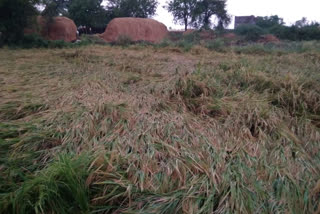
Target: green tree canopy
(182,11)
(87,12)
(15,15)
(204,11)
(55,7)
(302,23)
(269,21)
(132,8)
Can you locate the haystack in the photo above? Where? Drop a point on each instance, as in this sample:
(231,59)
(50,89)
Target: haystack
(59,28)
(137,29)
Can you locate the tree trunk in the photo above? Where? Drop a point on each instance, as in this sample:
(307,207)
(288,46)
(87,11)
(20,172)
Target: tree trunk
(206,22)
(185,24)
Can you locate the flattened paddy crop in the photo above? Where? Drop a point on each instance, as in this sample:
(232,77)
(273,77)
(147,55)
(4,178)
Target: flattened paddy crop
(144,129)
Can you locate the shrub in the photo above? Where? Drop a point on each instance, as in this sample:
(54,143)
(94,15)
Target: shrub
(250,32)
(164,43)
(280,31)
(269,21)
(175,36)
(58,44)
(34,41)
(91,39)
(216,45)
(191,37)
(1,40)
(293,33)
(123,40)
(15,16)
(185,45)
(258,49)
(311,32)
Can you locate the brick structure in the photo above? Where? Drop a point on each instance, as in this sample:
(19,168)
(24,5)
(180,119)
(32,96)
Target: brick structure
(241,20)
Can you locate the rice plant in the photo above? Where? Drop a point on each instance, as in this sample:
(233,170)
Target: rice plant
(157,129)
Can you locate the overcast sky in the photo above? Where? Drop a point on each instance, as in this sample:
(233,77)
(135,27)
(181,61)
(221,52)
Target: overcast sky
(290,10)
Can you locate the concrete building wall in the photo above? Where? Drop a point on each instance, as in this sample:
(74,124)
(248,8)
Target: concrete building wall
(241,20)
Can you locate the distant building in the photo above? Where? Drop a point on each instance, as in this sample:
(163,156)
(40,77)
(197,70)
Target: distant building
(244,20)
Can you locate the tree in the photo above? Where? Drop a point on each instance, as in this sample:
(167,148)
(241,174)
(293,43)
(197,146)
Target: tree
(87,13)
(269,21)
(182,11)
(204,11)
(302,23)
(250,32)
(132,8)
(15,15)
(55,7)
(224,19)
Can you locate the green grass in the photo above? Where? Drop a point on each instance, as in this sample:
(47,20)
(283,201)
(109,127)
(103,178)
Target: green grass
(160,129)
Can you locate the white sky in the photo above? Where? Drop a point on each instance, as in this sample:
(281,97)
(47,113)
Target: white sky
(290,10)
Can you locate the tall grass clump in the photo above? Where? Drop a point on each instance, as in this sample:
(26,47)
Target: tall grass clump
(60,188)
(165,43)
(285,47)
(123,40)
(185,45)
(216,45)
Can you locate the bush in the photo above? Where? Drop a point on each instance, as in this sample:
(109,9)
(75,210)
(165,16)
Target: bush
(1,39)
(58,44)
(281,48)
(250,32)
(91,39)
(15,16)
(34,41)
(257,49)
(192,37)
(200,35)
(164,43)
(123,40)
(269,21)
(311,32)
(175,36)
(216,45)
(293,33)
(185,45)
